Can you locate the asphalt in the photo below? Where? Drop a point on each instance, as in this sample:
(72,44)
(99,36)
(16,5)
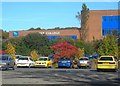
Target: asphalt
(37,76)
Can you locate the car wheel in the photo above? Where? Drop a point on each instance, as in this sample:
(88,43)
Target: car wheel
(115,70)
(98,70)
(7,67)
(13,67)
(29,65)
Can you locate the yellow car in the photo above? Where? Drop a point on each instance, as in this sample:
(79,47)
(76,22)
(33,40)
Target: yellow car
(107,62)
(43,62)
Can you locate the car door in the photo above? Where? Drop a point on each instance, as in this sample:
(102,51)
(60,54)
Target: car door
(11,62)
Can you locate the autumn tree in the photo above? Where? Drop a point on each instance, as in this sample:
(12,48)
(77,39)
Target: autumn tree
(79,54)
(10,50)
(83,18)
(34,55)
(64,49)
(109,46)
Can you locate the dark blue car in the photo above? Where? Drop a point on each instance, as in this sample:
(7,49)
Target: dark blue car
(65,62)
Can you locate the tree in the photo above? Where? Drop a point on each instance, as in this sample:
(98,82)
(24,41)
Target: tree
(34,55)
(109,46)
(64,49)
(88,46)
(21,48)
(79,54)
(10,50)
(83,18)
(38,42)
(5,35)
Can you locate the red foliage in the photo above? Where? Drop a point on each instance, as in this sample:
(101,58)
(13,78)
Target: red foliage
(64,49)
(2,52)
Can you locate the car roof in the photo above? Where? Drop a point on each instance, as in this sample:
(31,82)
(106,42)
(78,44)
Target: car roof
(43,57)
(106,56)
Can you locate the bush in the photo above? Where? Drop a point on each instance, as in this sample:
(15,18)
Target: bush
(93,63)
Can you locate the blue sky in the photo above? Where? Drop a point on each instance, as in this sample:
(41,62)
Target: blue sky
(24,15)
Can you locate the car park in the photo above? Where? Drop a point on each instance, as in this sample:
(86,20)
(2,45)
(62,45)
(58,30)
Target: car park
(25,61)
(6,62)
(83,62)
(43,62)
(107,62)
(65,62)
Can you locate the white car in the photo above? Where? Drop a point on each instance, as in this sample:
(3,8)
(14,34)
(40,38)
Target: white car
(17,57)
(83,62)
(25,61)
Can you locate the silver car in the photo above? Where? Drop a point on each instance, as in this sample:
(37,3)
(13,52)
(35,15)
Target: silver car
(83,62)
(7,62)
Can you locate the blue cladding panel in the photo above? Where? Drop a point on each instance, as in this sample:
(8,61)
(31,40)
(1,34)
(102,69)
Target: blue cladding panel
(110,24)
(15,33)
(55,37)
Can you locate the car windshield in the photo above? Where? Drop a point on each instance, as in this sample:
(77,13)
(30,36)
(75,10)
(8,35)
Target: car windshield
(106,58)
(43,59)
(3,57)
(83,59)
(64,59)
(23,58)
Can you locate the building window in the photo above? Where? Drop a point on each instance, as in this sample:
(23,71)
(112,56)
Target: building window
(104,18)
(110,18)
(15,33)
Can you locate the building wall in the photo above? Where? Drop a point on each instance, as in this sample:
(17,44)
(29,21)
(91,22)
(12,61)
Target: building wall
(94,26)
(67,32)
(94,23)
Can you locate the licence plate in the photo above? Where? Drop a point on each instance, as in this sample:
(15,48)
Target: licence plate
(63,61)
(82,64)
(105,63)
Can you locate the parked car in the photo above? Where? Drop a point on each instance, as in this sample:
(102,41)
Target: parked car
(83,62)
(107,62)
(25,61)
(17,57)
(43,62)
(7,62)
(65,62)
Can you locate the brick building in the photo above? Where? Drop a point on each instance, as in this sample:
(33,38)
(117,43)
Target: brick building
(96,24)
(97,27)
(52,34)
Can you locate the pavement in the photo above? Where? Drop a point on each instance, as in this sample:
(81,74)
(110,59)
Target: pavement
(59,76)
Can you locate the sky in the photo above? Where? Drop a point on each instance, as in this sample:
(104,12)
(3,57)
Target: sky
(46,15)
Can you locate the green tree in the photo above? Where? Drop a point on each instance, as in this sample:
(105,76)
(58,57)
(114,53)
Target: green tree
(109,46)
(10,50)
(21,48)
(5,35)
(83,18)
(88,46)
(38,42)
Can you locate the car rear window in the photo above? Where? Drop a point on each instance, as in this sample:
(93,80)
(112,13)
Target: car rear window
(23,58)
(43,59)
(106,58)
(83,59)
